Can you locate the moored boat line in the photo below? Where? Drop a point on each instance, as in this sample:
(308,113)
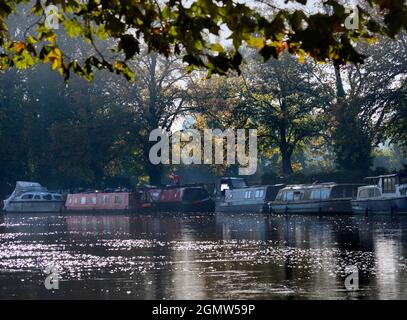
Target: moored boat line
(385,194)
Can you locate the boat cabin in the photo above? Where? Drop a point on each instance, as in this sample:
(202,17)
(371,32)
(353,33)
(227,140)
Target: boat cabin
(39,196)
(229,183)
(389,185)
(317,192)
(32,197)
(316,198)
(386,194)
(235,195)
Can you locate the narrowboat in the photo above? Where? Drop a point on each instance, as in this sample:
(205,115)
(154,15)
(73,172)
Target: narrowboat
(193,198)
(31,197)
(109,201)
(316,198)
(234,195)
(386,194)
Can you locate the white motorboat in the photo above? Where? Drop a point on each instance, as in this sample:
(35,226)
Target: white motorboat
(32,197)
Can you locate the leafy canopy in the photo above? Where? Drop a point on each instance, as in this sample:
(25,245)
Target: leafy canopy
(172,27)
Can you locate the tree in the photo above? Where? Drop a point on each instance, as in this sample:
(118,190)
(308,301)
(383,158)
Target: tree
(279,98)
(287,104)
(368,97)
(174,27)
(158,97)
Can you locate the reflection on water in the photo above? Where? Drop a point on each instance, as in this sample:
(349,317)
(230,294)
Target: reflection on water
(167,256)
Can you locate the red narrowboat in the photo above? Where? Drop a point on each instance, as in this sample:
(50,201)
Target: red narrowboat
(108,201)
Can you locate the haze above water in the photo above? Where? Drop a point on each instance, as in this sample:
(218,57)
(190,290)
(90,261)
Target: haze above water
(166,256)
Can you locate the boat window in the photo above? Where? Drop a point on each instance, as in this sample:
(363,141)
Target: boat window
(224,186)
(27,196)
(315,194)
(297,195)
(37,197)
(57,197)
(320,194)
(83,200)
(280,196)
(325,192)
(389,184)
(259,194)
(289,196)
(76,201)
(117,199)
(47,197)
(376,192)
(70,200)
(105,199)
(365,193)
(403,191)
(94,200)
(247,194)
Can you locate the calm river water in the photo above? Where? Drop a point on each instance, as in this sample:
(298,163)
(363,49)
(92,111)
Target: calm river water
(167,256)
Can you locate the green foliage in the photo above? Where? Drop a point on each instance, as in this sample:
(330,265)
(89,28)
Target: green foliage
(370,110)
(174,28)
(66,136)
(286,103)
(352,144)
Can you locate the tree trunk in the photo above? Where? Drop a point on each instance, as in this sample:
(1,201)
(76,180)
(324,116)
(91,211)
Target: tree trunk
(284,145)
(286,162)
(155,173)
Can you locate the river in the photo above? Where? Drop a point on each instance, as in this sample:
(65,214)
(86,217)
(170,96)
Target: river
(175,256)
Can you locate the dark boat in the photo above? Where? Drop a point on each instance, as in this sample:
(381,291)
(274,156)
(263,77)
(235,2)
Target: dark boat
(387,194)
(235,195)
(316,198)
(185,199)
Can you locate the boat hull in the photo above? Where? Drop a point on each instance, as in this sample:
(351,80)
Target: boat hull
(224,207)
(331,206)
(34,206)
(380,206)
(185,206)
(117,203)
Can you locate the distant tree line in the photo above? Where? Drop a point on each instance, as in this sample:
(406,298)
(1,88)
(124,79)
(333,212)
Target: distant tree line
(313,110)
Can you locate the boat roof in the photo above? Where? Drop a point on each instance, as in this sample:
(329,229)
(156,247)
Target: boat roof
(383,176)
(319,185)
(26,184)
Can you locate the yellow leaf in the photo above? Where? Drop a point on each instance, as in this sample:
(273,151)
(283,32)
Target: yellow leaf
(55,58)
(19,47)
(255,42)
